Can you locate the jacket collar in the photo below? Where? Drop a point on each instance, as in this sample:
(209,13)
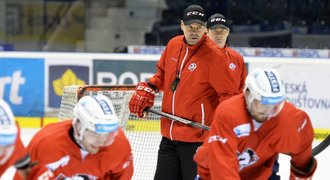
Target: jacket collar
(200,42)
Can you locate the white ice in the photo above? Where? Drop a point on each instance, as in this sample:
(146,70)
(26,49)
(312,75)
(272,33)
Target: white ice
(322,172)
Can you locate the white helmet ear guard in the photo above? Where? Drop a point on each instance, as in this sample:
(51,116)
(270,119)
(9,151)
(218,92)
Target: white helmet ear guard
(95,113)
(265,85)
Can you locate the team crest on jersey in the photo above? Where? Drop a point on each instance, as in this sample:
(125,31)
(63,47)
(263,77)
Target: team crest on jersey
(232,66)
(247,158)
(192,66)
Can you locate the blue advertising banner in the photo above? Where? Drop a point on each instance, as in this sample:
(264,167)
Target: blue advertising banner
(64,75)
(22,85)
(119,72)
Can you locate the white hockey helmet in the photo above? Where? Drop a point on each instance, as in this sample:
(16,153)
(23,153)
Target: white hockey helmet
(8,132)
(96,114)
(265,86)
(8,128)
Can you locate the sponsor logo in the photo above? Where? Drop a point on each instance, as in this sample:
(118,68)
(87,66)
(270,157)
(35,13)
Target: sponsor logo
(273,81)
(65,75)
(242,130)
(194,13)
(60,163)
(217,138)
(22,85)
(118,72)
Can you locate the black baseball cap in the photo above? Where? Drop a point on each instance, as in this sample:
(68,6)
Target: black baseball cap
(194,14)
(217,20)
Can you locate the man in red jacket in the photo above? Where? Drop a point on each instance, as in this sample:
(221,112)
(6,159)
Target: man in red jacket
(251,129)
(218,30)
(90,146)
(195,78)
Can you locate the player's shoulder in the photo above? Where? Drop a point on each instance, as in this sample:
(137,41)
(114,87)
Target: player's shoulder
(232,110)
(232,51)
(122,139)
(176,40)
(291,110)
(51,133)
(291,116)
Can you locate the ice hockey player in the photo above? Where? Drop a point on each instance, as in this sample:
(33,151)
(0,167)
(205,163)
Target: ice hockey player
(11,146)
(251,129)
(90,146)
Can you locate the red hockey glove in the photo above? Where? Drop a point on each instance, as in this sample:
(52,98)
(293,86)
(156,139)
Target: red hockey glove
(303,174)
(143,98)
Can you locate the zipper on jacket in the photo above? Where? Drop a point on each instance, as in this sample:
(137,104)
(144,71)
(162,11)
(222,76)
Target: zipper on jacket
(203,114)
(173,97)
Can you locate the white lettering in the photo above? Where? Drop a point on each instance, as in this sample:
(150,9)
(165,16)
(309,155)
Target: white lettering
(195,13)
(106,78)
(15,81)
(14,90)
(128,75)
(109,78)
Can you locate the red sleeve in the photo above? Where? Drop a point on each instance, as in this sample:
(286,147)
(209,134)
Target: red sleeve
(304,136)
(222,144)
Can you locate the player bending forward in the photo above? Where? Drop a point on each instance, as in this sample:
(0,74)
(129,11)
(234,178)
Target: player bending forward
(11,146)
(91,146)
(251,129)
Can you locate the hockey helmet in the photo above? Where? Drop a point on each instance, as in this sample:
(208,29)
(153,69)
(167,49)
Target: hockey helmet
(8,132)
(266,87)
(96,116)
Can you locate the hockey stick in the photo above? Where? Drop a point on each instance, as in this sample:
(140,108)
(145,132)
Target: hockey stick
(316,150)
(323,145)
(179,119)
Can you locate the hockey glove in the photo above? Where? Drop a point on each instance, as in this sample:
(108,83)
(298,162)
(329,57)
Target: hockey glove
(303,174)
(30,171)
(142,99)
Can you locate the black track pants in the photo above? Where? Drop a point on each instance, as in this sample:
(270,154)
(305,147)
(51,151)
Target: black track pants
(175,160)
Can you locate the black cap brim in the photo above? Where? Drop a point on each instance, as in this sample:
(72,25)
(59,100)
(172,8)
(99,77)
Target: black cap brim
(218,26)
(194,21)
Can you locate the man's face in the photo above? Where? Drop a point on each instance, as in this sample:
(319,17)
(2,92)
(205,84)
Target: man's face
(92,141)
(193,32)
(219,35)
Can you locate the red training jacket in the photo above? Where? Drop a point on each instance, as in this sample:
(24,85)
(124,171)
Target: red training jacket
(205,80)
(236,65)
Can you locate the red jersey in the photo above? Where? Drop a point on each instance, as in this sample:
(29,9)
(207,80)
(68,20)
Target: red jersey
(239,147)
(236,65)
(205,80)
(18,152)
(53,146)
